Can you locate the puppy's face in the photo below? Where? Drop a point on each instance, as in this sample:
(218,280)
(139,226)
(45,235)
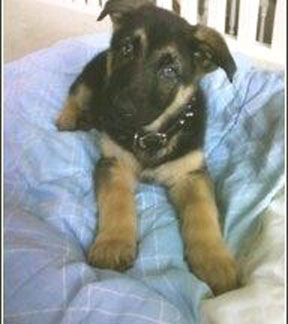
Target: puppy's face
(155,61)
(149,63)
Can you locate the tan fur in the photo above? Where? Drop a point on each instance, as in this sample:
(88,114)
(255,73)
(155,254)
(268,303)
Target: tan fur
(112,149)
(68,118)
(205,250)
(191,191)
(172,171)
(73,108)
(181,98)
(116,242)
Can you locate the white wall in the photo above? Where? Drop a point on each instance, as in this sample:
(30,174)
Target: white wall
(30,25)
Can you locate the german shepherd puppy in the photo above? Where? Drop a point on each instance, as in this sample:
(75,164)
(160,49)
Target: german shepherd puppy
(142,94)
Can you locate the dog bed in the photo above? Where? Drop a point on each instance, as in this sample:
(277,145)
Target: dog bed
(51,214)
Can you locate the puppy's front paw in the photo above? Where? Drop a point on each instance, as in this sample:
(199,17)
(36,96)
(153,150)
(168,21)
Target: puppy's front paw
(216,267)
(115,254)
(66,121)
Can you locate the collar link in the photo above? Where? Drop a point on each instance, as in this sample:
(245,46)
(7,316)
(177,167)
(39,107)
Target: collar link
(152,141)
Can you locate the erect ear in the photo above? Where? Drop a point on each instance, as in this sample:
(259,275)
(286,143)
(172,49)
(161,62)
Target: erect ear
(212,51)
(116,9)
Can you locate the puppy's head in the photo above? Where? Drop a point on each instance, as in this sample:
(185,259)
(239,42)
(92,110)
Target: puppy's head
(156,58)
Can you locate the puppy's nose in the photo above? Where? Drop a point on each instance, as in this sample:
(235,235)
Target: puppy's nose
(151,141)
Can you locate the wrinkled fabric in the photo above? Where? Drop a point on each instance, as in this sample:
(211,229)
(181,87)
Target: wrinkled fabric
(50,209)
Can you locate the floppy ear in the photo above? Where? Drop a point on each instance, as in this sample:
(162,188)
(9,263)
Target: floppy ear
(117,8)
(212,51)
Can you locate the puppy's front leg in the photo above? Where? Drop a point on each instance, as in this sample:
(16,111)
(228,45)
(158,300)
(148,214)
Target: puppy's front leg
(205,250)
(76,114)
(116,242)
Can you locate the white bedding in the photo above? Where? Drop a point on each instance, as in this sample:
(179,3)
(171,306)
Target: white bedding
(262,299)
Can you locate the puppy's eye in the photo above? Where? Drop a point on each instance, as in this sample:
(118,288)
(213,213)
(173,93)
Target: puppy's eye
(169,71)
(127,49)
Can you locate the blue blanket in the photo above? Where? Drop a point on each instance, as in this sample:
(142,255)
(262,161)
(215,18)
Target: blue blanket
(50,209)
